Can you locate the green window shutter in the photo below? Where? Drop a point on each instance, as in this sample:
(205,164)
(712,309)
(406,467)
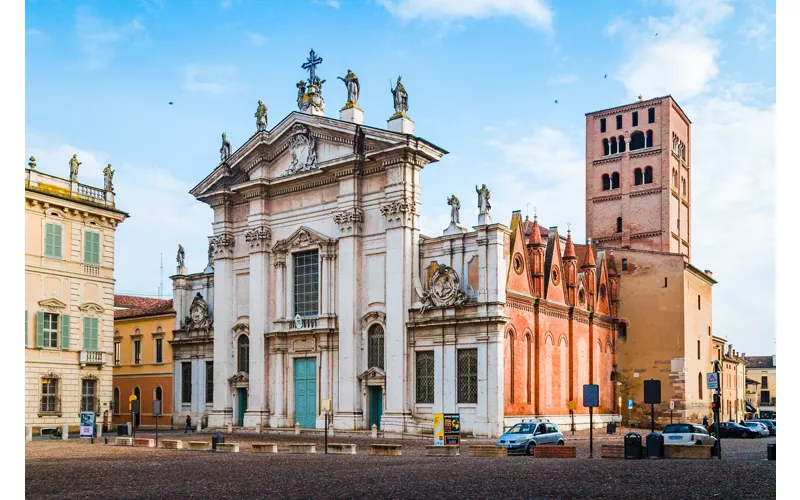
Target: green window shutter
(96,249)
(91,248)
(49,239)
(87,333)
(65,332)
(87,248)
(39,329)
(26,328)
(57,240)
(95,334)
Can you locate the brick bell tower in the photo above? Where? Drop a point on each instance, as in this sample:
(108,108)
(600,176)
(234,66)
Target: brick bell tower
(638,176)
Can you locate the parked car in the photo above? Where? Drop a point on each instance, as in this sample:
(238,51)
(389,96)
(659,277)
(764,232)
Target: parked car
(524,436)
(687,434)
(761,427)
(732,429)
(769,423)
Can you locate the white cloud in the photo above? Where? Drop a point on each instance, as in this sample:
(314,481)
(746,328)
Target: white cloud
(534,13)
(256,39)
(210,79)
(562,79)
(759,26)
(98,38)
(330,3)
(162,212)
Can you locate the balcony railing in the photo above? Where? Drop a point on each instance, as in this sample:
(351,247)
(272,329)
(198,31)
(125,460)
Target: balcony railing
(91,270)
(305,324)
(93,358)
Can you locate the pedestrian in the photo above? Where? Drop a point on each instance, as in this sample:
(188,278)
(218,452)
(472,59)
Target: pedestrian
(188,424)
(705,421)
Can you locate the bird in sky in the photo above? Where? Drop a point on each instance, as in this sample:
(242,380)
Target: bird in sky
(170,103)
(556,101)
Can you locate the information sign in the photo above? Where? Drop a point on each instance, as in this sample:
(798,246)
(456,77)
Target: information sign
(452,429)
(591,396)
(87,424)
(712,380)
(630,404)
(438,429)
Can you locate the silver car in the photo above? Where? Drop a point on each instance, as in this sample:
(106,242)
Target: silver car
(524,436)
(758,426)
(687,434)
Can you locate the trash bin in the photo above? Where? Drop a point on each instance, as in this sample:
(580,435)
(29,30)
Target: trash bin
(215,440)
(122,430)
(771,451)
(655,445)
(633,445)
(611,427)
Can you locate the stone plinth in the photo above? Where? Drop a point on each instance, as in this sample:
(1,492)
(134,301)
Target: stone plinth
(555,451)
(265,448)
(341,449)
(302,448)
(454,228)
(486,450)
(386,450)
(199,445)
(692,451)
(442,451)
(172,444)
(123,441)
(402,124)
(228,447)
(143,442)
(612,451)
(352,114)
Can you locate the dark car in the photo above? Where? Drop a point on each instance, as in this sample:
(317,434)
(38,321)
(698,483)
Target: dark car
(769,423)
(732,430)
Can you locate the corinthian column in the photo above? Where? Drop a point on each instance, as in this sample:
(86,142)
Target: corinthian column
(258,239)
(222,413)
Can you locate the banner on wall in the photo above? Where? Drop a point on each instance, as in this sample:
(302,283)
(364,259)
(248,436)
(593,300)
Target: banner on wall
(438,429)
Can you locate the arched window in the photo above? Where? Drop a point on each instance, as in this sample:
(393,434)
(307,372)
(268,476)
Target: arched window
(606,182)
(637,176)
(615,180)
(605,147)
(621,144)
(649,142)
(158,393)
(674,177)
(244,353)
(528,359)
(683,186)
(637,140)
(700,385)
(375,345)
(648,175)
(613,145)
(698,349)
(511,359)
(623,330)
(115,409)
(619,224)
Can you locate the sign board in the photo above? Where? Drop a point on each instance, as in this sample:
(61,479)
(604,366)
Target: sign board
(298,321)
(438,429)
(131,399)
(591,396)
(630,404)
(326,405)
(572,405)
(156,407)
(712,380)
(87,424)
(652,392)
(134,406)
(672,405)
(452,429)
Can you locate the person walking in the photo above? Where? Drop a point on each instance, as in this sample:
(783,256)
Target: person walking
(188,424)
(705,421)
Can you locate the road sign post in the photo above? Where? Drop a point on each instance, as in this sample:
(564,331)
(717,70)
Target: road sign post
(157,413)
(652,397)
(591,400)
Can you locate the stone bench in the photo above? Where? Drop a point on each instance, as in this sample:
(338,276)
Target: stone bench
(341,449)
(228,447)
(612,451)
(386,450)
(302,448)
(265,448)
(486,450)
(172,444)
(123,441)
(143,442)
(693,451)
(555,451)
(442,451)
(199,445)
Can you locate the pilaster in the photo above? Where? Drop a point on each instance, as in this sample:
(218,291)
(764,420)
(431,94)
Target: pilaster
(222,413)
(258,238)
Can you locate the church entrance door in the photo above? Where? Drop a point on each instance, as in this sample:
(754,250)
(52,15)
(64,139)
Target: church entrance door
(375,406)
(305,392)
(241,405)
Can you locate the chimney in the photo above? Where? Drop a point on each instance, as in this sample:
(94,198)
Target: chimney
(730,350)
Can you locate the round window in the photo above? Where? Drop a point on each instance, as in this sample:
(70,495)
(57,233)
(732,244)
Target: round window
(555,276)
(518,263)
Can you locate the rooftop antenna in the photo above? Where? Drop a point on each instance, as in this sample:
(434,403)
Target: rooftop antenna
(161,283)
(527,209)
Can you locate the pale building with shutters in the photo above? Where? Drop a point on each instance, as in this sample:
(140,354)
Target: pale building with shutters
(69,299)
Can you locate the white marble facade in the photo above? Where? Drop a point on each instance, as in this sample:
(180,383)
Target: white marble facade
(319,200)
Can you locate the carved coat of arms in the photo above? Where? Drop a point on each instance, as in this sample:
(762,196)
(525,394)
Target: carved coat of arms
(302,146)
(443,289)
(198,318)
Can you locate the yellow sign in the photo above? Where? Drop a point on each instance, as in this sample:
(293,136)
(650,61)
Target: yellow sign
(572,405)
(326,404)
(438,429)
(131,399)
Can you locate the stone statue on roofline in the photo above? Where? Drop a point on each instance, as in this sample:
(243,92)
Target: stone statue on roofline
(455,206)
(74,164)
(261,117)
(483,205)
(353,88)
(400,98)
(108,176)
(181,256)
(225,150)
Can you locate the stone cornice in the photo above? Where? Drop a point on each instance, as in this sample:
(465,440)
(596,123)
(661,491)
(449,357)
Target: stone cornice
(607,198)
(647,234)
(645,192)
(645,152)
(608,159)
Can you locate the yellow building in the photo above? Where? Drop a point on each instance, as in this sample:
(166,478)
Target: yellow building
(762,369)
(732,378)
(143,358)
(69,298)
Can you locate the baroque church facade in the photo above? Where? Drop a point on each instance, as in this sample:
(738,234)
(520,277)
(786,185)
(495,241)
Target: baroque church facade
(320,286)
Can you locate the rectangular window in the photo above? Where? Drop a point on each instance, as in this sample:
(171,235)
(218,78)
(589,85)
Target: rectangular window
(635,118)
(425,377)
(698,302)
(52,240)
(209,381)
(467,375)
(764,397)
(651,115)
(306,283)
(91,339)
(50,330)
(49,394)
(619,122)
(764,384)
(87,395)
(91,248)
(665,282)
(186,382)
(602,124)
(159,350)
(137,352)
(624,264)
(117,350)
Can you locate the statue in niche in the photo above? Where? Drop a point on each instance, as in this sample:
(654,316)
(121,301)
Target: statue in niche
(455,206)
(261,117)
(400,98)
(108,176)
(483,200)
(74,164)
(225,150)
(353,88)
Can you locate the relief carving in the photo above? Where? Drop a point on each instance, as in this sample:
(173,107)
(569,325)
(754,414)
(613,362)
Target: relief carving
(443,290)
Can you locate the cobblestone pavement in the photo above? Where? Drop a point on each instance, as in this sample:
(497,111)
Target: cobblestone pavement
(77,469)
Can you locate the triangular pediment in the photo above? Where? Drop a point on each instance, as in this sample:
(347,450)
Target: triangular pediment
(303,237)
(372,373)
(52,304)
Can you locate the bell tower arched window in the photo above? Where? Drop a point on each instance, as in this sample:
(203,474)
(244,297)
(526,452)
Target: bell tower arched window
(637,176)
(615,180)
(606,182)
(605,147)
(648,175)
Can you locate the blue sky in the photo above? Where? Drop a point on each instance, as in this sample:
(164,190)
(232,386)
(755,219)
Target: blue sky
(482,76)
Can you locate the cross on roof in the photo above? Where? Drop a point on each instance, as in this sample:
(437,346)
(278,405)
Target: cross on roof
(312,61)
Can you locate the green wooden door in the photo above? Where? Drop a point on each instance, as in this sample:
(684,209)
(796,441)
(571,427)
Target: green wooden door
(305,392)
(375,406)
(241,405)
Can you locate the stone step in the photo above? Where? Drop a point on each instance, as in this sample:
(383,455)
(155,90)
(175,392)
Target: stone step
(265,448)
(302,448)
(143,442)
(442,451)
(486,450)
(691,451)
(172,444)
(386,450)
(341,449)
(123,441)
(228,447)
(198,445)
(555,451)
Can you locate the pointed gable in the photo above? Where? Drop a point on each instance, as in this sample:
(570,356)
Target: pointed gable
(554,289)
(518,278)
(603,302)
